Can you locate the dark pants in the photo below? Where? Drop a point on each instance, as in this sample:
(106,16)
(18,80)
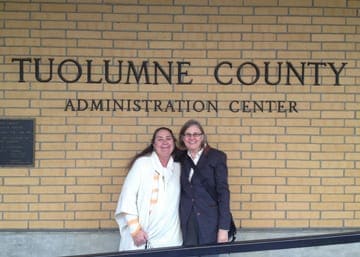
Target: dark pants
(191,237)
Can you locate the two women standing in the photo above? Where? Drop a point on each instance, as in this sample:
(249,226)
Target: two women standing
(155,190)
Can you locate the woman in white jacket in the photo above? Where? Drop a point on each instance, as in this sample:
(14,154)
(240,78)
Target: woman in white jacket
(148,208)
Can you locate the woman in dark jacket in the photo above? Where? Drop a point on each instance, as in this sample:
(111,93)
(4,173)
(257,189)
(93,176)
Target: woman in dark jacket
(204,204)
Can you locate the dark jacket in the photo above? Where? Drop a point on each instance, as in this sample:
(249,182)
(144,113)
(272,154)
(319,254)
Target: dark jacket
(207,193)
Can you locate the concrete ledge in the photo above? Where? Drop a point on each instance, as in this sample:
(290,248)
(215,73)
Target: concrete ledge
(57,243)
(67,243)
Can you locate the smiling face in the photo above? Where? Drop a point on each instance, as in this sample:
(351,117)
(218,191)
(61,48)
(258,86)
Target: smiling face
(193,139)
(164,144)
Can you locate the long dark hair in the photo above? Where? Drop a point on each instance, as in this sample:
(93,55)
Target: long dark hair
(186,125)
(150,148)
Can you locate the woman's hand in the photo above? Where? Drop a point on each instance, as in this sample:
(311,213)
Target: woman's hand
(140,238)
(222,236)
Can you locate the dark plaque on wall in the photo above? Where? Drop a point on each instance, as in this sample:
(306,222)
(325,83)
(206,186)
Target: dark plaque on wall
(16,142)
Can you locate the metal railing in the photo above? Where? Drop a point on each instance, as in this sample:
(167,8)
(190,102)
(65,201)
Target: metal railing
(241,246)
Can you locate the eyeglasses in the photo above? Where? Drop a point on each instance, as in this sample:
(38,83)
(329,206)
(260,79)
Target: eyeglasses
(195,135)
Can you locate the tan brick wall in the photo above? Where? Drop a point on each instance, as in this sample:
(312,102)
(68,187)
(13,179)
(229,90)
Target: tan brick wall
(287,169)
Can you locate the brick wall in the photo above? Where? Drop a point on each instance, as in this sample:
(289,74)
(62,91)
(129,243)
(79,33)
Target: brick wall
(289,167)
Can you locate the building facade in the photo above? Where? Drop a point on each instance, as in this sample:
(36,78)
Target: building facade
(275,84)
